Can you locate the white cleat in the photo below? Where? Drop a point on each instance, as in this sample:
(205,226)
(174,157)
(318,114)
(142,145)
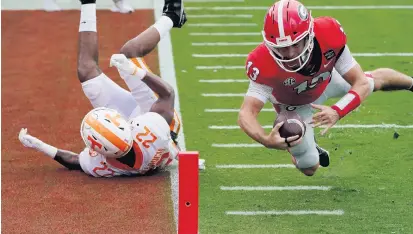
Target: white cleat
(122,6)
(51,6)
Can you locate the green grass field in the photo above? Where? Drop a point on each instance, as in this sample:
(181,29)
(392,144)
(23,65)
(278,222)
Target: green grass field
(371,173)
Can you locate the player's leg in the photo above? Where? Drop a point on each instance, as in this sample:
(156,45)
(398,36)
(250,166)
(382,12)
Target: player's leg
(145,42)
(101,91)
(305,155)
(173,16)
(387,79)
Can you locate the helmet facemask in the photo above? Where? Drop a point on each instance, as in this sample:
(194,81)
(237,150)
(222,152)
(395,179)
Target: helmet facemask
(301,59)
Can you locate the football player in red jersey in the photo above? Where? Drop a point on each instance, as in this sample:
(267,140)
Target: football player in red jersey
(302,62)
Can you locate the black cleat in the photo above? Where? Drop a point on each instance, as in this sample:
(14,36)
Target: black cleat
(174,9)
(324,156)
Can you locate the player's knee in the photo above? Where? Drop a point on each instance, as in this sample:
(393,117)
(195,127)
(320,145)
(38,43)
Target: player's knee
(87,70)
(380,76)
(308,172)
(132,51)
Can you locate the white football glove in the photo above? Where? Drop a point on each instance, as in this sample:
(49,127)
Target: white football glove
(124,65)
(29,141)
(34,143)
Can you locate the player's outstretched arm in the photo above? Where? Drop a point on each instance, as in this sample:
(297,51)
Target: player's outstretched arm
(166,95)
(247,120)
(67,158)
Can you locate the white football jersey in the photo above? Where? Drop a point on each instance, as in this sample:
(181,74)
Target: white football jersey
(152,145)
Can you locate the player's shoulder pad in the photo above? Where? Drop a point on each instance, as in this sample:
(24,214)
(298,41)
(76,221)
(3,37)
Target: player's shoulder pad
(329,33)
(256,64)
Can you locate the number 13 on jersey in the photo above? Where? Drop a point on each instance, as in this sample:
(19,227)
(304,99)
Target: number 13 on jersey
(253,73)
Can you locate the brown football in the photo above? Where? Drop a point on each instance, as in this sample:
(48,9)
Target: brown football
(293,124)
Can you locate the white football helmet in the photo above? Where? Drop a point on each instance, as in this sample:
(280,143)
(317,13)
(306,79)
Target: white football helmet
(105,131)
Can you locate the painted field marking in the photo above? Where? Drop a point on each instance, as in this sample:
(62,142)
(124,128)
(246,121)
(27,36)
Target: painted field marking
(286,212)
(274,188)
(253,166)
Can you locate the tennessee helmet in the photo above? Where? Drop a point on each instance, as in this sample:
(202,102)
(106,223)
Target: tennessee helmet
(286,24)
(105,131)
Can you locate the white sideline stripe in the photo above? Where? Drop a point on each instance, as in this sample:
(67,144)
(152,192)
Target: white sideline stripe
(354,54)
(225,81)
(220,8)
(286,212)
(167,72)
(218,67)
(273,188)
(223,25)
(252,166)
(226,34)
(385,126)
(219,16)
(235,110)
(225,43)
(253,145)
(223,94)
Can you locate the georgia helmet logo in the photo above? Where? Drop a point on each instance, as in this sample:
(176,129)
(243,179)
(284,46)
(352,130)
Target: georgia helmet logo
(302,12)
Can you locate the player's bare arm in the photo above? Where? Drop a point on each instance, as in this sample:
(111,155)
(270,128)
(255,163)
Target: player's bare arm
(360,89)
(247,120)
(66,158)
(166,95)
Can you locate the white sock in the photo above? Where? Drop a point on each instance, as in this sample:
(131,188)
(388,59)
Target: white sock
(163,25)
(87,18)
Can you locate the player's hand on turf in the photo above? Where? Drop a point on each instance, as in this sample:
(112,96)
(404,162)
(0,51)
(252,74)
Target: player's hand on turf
(275,141)
(326,116)
(29,141)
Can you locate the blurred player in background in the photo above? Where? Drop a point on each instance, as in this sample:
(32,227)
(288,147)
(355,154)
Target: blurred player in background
(301,63)
(127,133)
(121,6)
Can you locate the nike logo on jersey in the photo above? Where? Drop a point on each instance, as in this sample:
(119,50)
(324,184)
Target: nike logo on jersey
(326,65)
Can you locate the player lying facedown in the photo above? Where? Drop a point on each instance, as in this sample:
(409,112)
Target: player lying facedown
(302,62)
(127,132)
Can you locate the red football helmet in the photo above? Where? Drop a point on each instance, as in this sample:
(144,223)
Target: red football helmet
(286,24)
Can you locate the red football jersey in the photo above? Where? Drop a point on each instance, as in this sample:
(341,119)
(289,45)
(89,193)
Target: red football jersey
(292,88)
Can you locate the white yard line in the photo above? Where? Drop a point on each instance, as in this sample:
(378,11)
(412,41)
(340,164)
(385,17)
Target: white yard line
(219,67)
(274,188)
(234,110)
(253,166)
(236,145)
(224,81)
(223,94)
(354,54)
(286,212)
(385,126)
(223,25)
(225,43)
(250,8)
(226,34)
(219,16)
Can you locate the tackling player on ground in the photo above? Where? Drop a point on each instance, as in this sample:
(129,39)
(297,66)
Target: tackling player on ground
(302,62)
(127,133)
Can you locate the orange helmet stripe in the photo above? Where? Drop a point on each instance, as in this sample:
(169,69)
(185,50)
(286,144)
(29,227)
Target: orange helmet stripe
(106,133)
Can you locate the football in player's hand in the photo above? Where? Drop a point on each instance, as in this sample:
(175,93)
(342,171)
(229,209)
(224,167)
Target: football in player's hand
(293,124)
